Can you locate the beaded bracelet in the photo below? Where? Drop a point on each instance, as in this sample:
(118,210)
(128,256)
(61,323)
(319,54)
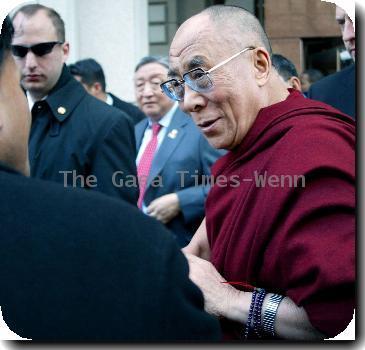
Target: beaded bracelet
(250,314)
(257,312)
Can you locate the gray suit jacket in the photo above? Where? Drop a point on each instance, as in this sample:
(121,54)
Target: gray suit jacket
(181,163)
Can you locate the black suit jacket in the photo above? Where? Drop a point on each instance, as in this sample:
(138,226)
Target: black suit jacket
(74,132)
(134,112)
(80,266)
(337,90)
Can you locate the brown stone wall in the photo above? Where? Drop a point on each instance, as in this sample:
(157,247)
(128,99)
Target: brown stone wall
(290,48)
(288,21)
(300,19)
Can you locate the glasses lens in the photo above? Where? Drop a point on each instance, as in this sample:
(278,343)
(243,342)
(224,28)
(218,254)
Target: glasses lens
(43,48)
(38,49)
(198,80)
(19,51)
(173,89)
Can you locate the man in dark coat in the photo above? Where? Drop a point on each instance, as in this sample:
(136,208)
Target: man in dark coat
(91,75)
(81,266)
(75,139)
(338,90)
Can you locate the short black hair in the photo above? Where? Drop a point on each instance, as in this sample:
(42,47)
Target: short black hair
(58,23)
(90,72)
(6,36)
(162,60)
(284,67)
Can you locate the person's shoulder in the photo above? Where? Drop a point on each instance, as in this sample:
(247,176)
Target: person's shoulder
(317,139)
(332,79)
(97,112)
(74,207)
(129,108)
(141,124)
(315,116)
(119,103)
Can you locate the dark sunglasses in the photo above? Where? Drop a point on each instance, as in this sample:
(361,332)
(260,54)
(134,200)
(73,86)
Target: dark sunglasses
(38,49)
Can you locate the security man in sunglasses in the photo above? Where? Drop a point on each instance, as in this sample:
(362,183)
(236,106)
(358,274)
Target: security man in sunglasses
(75,139)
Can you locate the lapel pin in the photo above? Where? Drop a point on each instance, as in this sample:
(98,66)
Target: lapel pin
(61,110)
(172,134)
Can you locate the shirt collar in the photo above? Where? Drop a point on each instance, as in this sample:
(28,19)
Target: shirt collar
(109,100)
(166,119)
(31,102)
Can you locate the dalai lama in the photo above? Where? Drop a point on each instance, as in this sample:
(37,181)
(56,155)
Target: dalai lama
(275,261)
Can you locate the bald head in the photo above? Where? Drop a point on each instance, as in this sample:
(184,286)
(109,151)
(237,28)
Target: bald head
(243,26)
(229,45)
(215,25)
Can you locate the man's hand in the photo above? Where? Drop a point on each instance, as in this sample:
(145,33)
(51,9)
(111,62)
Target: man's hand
(218,296)
(164,208)
(223,300)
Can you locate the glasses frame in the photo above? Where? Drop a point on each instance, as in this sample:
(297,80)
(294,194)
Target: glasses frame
(52,44)
(183,81)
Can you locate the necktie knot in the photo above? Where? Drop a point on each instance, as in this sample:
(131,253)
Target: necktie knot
(156,128)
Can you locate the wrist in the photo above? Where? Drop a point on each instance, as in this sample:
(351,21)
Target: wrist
(238,305)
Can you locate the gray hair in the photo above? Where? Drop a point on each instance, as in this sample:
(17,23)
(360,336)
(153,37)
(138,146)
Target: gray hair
(162,60)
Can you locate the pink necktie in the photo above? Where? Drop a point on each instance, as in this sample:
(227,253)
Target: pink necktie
(145,163)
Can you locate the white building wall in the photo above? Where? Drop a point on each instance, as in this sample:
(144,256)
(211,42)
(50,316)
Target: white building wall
(115,33)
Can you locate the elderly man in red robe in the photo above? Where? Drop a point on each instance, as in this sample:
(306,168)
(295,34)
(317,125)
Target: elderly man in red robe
(275,256)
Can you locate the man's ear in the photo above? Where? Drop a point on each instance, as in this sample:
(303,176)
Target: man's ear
(2,110)
(295,83)
(65,51)
(262,64)
(97,88)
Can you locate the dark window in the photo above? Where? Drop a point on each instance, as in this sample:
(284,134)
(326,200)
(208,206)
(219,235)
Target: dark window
(324,54)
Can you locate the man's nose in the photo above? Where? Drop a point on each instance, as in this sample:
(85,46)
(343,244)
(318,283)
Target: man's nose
(147,89)
(193,101)
(348,30)
(30,60)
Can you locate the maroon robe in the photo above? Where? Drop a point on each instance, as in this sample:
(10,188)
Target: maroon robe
(294,241)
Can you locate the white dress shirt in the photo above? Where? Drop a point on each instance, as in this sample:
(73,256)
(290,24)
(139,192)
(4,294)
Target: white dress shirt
(109,100)
(31,102)
(147,137)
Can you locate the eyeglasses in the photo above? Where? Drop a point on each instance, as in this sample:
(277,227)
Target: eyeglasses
(38,49)
(197,79)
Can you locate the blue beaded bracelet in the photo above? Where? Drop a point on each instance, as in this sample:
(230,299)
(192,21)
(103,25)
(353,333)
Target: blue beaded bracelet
(257,312)
(250,315)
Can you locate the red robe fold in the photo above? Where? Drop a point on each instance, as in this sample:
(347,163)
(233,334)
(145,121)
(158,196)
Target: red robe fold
(292,238)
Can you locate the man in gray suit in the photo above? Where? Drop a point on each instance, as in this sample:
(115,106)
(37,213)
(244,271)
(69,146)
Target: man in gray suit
(173,159)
